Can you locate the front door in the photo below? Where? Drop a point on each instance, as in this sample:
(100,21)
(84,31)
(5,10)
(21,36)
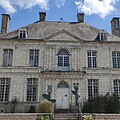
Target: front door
(62,96)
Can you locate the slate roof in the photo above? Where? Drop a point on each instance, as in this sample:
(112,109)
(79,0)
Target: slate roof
(44,29)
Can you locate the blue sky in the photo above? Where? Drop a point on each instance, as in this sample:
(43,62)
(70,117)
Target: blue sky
(98,13)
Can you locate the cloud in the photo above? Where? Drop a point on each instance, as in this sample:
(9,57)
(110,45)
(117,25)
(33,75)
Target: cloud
(60,3)
(11,5)
(7,6)
(89,7)
(99,7)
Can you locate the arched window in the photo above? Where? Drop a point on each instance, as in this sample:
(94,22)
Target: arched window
(63,58)
(63,84)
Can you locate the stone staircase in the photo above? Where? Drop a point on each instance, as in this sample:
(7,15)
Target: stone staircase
(66,116)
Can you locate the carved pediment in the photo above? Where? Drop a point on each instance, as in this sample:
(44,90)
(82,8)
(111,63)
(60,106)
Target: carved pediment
(63,35)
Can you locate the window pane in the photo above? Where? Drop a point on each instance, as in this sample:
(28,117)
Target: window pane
(4,89)
(63,58)
(116,59)
(102,36)
(92,88)
(32,89)
(114,63)
(34,58)
(92,59)
(7,57)
(66,61)
(116,87)
(60,61)
(93,53)
(22,34)
(89,62)
(89,53)
(63,52)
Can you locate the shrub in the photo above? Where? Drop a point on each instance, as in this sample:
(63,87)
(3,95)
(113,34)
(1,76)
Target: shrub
(13,104)
(102,104)
(31,109)
(88,117)
(45,107)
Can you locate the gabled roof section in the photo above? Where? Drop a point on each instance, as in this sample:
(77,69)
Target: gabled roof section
(63,35)
(42,30)
(56,30)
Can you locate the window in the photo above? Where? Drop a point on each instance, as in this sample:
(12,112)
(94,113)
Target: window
(63,84)
(116,59)
(63,58)
(102,36)
(4,89)
(32,89)
(22,33)
(92,88)
(92,59)
(116,87)
(7,57)
(33,57)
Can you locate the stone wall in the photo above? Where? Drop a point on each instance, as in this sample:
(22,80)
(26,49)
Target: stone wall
(20,116)
(107,116)
(33,116)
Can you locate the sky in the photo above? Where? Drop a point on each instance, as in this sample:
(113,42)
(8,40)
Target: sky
(98,13)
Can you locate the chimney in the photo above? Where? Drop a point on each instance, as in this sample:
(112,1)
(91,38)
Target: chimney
(5,23)
(115,26)
(42,16)
(80,17)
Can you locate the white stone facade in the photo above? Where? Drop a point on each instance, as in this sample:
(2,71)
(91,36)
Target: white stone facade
(47,71)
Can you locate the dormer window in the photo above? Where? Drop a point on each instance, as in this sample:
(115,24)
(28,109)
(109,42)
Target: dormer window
(22,33)
(102,36)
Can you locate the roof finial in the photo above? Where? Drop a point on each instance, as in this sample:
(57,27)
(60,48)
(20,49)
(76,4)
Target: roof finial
(61,19)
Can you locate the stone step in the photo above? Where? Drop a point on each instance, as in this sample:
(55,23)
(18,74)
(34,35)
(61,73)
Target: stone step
(57,111)
(56,118)
(67,116)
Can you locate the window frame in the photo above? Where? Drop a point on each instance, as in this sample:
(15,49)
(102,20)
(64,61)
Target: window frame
(32,90)
(22,34)
(4,89)
(92,59)
(116,59)
(33,57)
(7,57)
(102,36)
(63,84)
(93,88)
(116,87)
(63,58)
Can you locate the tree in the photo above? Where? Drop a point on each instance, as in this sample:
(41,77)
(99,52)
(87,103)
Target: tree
(14,103)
